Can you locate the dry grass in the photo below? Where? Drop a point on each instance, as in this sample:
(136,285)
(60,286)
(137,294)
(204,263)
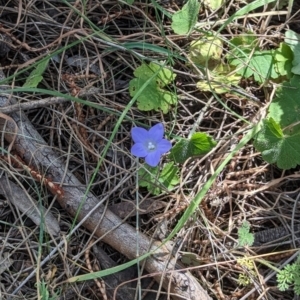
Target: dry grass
(247,189)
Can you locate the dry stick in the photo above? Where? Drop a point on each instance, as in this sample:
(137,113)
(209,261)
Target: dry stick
(33,104)
(43,102)
(34,151)
(8,118)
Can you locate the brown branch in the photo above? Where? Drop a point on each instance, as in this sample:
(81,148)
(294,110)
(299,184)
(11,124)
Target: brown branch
(20,199)
(31,147)
(33,104)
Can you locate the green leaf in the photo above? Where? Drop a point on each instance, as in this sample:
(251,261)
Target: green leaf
(285,107)
(185,19)
(286,277)
(243,42)
(206,51)
(275,128)
(199,144)
(284,151)
(245,236)
(154,96)
(293,40)
(283,60)
(155,181)
(35,76)
(163,76)
(258,64)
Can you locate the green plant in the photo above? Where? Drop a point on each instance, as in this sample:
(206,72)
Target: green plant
(278,140)
(185,19)
(290,275)
(155,95)
(44,293)
(245,236)
(157,180)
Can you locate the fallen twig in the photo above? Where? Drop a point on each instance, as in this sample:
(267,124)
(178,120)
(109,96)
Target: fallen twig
(31,147)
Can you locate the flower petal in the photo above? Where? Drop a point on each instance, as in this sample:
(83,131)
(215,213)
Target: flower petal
(164,146)
(139,134)
(152,159)
(139,150)
(156,132)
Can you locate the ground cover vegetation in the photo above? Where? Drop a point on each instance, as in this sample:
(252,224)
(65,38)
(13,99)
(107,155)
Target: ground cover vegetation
(149,149)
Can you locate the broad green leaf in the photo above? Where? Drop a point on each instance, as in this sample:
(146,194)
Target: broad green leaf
(35,76)
(199,144)
(283,60)
(262,65)
(275,128)
(154,96)
(284,151)
(164,76)
(293,40)
(206,51)
(259,64)
(185,19)
(155,181)
(280,135)
(285,107)
(283,53)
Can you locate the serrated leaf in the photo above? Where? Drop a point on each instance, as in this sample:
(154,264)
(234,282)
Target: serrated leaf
(285,107)
(206,51)
(185,19)
(284,151)
(35,76)
(293,40)
(199,144)
(154,96)
(279,137)
(163,77)
(155,181)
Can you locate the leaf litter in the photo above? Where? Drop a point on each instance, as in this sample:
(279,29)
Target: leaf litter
(212,233)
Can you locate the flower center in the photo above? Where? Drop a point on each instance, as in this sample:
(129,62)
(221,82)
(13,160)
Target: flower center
(151,146)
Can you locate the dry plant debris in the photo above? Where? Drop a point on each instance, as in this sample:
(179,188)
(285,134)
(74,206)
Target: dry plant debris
(55,159)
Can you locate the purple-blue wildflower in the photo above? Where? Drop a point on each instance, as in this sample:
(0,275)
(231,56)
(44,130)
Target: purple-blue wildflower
(150,144)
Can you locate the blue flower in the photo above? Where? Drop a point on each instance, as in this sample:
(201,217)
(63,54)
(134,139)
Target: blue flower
(150,144)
